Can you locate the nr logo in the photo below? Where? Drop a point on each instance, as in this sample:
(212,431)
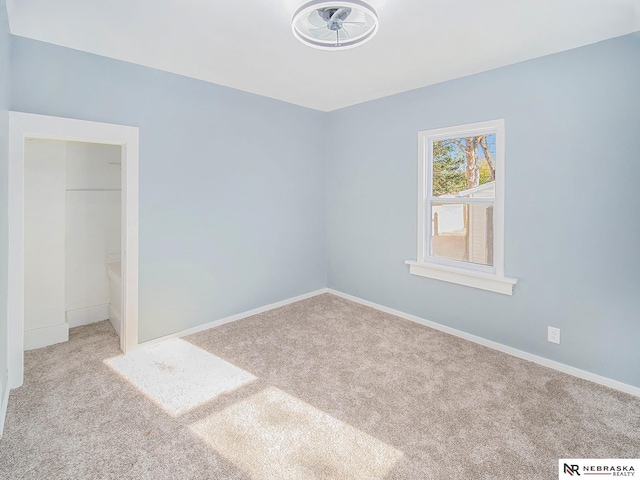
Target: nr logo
(571,469)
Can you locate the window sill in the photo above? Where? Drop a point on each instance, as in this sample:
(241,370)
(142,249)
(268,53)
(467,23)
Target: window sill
(484,281)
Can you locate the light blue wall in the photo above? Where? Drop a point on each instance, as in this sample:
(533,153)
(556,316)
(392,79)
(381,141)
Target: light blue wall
(232,185)
(236,207)
(5,83)
(572,208)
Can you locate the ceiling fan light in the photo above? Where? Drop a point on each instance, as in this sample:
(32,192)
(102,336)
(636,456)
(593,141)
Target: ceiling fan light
(335,25)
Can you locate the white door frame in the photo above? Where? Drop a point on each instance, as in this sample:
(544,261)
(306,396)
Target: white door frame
(26,125)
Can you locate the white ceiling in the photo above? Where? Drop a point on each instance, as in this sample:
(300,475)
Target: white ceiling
(248,44)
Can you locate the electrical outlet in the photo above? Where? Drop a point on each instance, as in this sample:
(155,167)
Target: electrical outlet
(553,335)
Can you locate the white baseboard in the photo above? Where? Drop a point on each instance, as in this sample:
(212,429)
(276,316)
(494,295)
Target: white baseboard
(561,367)
(4,399)
(85,316)
(233,318)
(45,336)
(114,319)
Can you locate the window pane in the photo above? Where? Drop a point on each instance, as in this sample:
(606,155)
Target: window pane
(464,167)
(462,232)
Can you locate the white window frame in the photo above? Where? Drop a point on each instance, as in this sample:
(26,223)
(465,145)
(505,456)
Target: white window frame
(486,277)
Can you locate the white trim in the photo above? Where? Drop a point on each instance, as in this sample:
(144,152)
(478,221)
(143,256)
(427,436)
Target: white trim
(45,336)
(469,278)
(115,320)
(236,317)
(455,266)
(423,146)
(4,399)
(466,130)
(425,199)
(463,200)
(545,362)
(21,126)
(498,207)
(87,315)
(129,248)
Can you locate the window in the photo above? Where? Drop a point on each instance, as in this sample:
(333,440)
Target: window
(461,206)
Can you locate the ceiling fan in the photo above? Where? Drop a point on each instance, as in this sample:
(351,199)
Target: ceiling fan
(335,25)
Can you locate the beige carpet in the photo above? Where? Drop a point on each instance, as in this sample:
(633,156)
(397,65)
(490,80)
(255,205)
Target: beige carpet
(320,389)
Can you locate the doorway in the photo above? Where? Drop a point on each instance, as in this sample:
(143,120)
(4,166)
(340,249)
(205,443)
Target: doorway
(23,126)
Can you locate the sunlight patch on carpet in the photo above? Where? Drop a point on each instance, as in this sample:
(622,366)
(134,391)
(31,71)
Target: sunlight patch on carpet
(177,375)
(274,435)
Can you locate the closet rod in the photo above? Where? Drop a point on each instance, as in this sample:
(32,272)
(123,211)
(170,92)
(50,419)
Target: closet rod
(94,190)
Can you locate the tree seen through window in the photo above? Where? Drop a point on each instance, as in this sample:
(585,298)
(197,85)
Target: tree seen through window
(460,164)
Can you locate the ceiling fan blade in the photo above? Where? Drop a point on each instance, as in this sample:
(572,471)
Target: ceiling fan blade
(315,19)
(362,24)
(337,13)
(323,34)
